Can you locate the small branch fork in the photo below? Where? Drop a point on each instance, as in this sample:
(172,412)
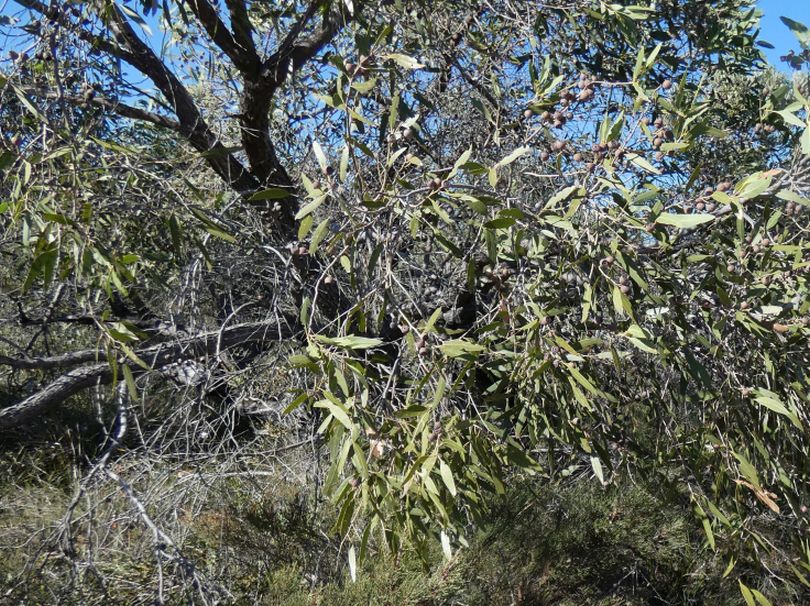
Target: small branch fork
(261,79)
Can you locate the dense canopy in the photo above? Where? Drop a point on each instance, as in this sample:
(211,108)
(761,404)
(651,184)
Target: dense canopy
(445,247)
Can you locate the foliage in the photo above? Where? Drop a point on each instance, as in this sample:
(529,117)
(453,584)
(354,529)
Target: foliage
(461,244)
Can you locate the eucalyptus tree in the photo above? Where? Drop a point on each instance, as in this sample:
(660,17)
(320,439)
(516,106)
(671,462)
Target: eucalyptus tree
(472,239)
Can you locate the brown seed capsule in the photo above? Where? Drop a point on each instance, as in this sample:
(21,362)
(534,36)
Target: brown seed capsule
(350,67)
(724,186)
(730,268)
(744,305)
(558,145)
(436,183)
(545,115)
(624,288)
(578,157)
(610,259)
(650,227)
(544,156)
(646,121)
(590,166)
(711,207)
(528,114)
(302,250)
(613,144)
(585,94)
(666,84)
(407,133)
(328,279)
(659,156)
(708,191)
(780,328)
(700,206)
(658,142)
(659,122)
(765,242)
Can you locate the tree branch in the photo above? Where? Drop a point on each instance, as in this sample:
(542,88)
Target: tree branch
(61,17)
(154,357)
(259,91)
(112,105)
(193,125)
(242,28)
(244,58)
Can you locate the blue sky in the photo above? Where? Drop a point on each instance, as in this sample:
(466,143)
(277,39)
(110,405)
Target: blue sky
(775,32)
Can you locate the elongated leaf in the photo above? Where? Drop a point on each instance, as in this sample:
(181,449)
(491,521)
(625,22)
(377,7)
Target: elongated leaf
(684,221)
(405,61)
(351,341)
(336,411)
(800,30)
(459,347)
(273,193)
(447,477)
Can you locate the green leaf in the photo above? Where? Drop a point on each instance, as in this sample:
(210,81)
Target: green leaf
(771,401)
(130,380)
(520,151)
(642,163)
(596,464)
(447,477)
(316,147)
(786,194)
(763,601)
(310,208)
(674,146)
(746,594)
(344,164)
(318,235)
(364,87)
(273,193)
(352,564)
(564,194)
(684,221)
(799,30)
(707,528)
(336,411)
(351,341)
(405,61)
(500,223)
(304,227)
(459,347)
(446,548)
(220,233)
